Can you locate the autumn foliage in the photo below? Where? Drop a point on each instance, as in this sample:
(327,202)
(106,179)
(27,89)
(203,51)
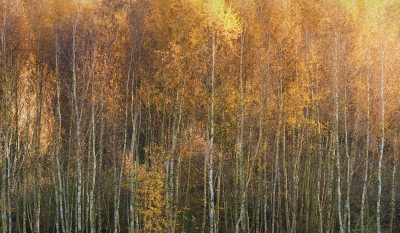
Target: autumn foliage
(199,116)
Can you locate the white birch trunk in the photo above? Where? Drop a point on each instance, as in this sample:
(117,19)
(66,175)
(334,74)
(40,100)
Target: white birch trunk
(366,162)
(276,162)
(285,174)
(78,129)
(135,112)
(349,165)
(329,186)
(393,192)
(63,219)
(239,148)
(336,130)
(92,215)
(210,168)
(5,134)
(321,228)
(378,202)
(121,172)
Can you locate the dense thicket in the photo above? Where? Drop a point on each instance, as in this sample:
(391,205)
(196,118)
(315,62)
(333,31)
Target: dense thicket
(199,116)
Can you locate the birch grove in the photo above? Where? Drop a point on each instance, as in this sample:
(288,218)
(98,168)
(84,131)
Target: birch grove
(199,116)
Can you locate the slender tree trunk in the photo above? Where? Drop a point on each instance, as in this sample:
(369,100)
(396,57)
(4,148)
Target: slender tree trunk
(78,130)
(308,175)
(296,180)
(6,120)
(188,177)
(298,131)
(38,166)
(135,108)
(99,207)
(265,162)
(239,148)
(63,218)
(205,168)
(329,173)
(279,214)
(321,220)
(176,191)
(308,171)
(53,176)
(265,198)
(115,167)
(348,175)
(118,192)
(37,135)
(171,177)
(258,219)
(210,151)
(25,164)
(276,161)
(393,192)
(92,214)
(336,129)
(247,179)
(260,188)
(218,191)
(27,145)
(366,162)
(286,178)
(69,192)
(378,202)
(4,180)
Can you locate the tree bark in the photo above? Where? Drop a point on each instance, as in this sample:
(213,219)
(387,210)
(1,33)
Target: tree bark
(393,191)
(276,160)
(78,129)
(366,162)
(319,195)
(118,192)
(6,120)
(336,129)
(135,105)
(349,165)
(210,151)
(378,202)
(239,149)
(92,214)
